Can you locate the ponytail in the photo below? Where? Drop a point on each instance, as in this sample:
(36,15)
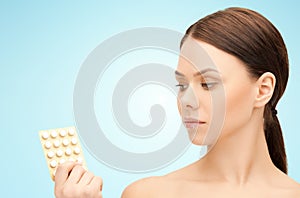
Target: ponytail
(274,138)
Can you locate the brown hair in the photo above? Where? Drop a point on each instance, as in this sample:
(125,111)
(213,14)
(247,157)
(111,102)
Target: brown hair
(254,40)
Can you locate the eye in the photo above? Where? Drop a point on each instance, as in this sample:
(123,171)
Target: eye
(209,85)
(182,87)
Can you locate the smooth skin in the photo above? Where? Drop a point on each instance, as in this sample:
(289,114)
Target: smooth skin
(238,165)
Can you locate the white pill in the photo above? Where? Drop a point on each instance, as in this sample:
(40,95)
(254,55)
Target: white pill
(48,145)
(71,131)
(53,134)
(74,141)
(68,151)
(56,143)
(71,159)
(59,153)
(62,133)
(50,154)
(45,135)
(77,150)
(53,163)
(79,159)
(66,142)
(62,161)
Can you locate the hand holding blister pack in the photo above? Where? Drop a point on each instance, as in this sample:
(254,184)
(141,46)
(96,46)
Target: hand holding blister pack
(61,145)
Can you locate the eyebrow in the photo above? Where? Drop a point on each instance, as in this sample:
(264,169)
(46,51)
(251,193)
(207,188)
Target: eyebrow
(197,73)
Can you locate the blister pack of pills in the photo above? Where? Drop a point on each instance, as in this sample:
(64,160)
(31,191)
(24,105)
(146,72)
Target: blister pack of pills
(61,145)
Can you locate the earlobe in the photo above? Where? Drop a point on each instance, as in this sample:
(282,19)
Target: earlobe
(265,86)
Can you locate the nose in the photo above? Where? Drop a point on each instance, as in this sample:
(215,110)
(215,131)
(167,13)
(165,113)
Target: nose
(189,99)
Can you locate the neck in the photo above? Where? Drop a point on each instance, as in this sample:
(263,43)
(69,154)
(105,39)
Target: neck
(240,157)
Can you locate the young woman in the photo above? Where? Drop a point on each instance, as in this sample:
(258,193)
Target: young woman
(248,158)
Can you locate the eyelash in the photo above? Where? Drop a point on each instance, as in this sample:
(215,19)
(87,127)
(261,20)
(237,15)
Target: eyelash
(206,86)
(180,87)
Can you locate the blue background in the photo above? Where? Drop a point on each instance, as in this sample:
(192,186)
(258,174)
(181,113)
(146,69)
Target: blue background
(43,44)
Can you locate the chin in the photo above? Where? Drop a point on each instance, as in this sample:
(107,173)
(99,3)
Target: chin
(197,138)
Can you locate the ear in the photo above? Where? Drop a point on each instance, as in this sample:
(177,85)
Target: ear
(265,88)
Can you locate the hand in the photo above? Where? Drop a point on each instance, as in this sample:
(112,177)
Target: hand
(73,181)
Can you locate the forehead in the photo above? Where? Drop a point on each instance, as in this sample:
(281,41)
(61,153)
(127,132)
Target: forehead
(196,56)
(193,57)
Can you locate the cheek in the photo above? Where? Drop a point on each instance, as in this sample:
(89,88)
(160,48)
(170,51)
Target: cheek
(239,105)
(179,106)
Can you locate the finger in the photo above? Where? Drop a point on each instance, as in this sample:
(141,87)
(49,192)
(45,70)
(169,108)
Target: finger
(75,175)
(86,178)
(62,172)
(97,182)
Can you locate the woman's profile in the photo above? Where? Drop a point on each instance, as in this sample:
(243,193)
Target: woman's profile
(248,159)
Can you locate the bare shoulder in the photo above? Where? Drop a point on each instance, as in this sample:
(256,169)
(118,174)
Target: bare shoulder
(294,191)
(289,187)
(167,185)
(146,188)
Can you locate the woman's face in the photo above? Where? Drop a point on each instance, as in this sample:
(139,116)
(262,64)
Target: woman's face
(208,95)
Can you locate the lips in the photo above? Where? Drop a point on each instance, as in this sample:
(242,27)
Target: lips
(192,123)
(192,120)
